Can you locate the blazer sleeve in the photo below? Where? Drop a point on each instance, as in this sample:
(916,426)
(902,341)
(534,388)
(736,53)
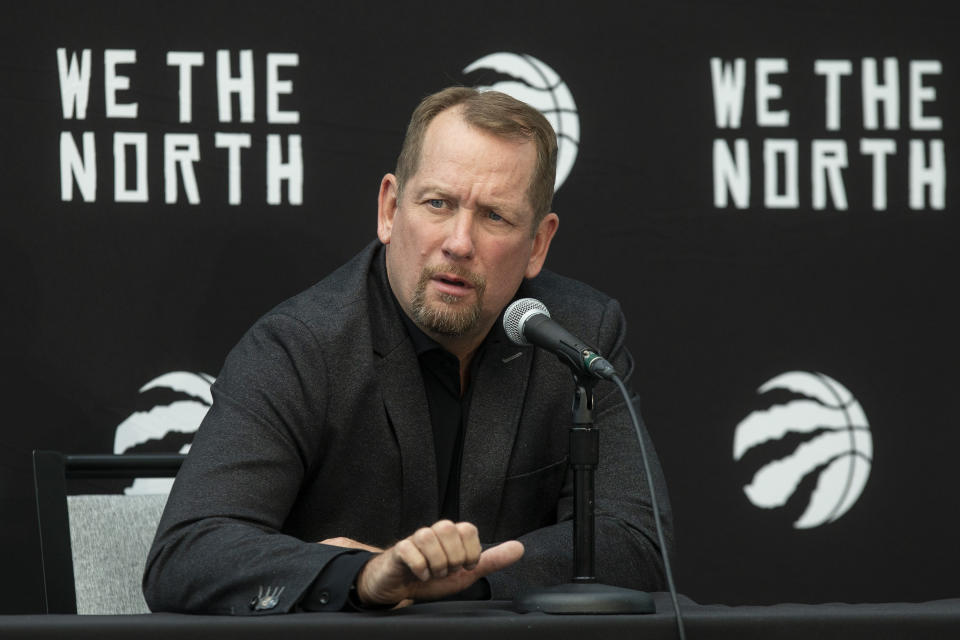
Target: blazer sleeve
(219,546)
(627,551)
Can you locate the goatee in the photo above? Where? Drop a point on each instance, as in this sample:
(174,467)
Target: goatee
(451,315)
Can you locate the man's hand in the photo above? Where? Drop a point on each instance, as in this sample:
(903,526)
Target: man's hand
(350,543)
(432,563)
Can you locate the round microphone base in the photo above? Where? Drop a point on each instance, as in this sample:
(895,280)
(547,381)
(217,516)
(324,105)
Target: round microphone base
(585,598)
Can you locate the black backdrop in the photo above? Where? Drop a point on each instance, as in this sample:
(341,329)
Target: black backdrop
(101,297)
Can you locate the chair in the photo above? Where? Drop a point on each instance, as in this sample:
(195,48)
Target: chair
(94,547)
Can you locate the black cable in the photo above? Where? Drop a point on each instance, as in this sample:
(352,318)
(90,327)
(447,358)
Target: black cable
(653,503)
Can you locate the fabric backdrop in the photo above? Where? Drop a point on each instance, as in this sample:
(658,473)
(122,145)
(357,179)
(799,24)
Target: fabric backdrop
(768,188)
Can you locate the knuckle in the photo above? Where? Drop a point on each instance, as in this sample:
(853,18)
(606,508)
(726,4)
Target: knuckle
(423,535)
(410,555)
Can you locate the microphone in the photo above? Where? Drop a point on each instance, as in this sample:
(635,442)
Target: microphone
(527,321)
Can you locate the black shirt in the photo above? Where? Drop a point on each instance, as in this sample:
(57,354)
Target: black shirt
(449,408)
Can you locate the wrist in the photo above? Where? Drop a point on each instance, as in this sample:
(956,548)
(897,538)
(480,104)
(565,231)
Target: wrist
(361,589)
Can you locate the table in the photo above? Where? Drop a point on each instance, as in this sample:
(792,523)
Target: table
(938,620)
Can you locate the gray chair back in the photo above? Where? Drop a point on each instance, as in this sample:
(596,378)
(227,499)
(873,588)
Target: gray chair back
(94,547)
(110,536)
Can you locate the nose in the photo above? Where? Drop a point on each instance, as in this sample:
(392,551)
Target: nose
(458,244)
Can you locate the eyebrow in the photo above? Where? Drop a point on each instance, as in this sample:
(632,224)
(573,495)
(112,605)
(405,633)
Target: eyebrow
(497,205)
(432,189)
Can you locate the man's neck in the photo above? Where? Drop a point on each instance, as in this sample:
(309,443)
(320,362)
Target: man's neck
(464,348)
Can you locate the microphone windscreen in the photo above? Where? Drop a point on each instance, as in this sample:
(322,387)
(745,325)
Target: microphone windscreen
(517,314)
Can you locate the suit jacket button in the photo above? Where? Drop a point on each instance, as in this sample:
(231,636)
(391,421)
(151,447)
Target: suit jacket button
(324,597)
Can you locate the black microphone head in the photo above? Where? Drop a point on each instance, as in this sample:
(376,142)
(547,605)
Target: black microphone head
(517,315)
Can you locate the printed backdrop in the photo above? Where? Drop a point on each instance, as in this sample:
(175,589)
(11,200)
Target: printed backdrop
(769,190)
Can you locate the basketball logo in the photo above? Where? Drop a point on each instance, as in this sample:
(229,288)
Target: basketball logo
(533,82)
(814,432)
(169,410)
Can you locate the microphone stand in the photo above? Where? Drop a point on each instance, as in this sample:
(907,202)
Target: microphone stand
(583,594)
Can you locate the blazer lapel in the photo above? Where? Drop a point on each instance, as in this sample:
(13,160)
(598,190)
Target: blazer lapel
(406,406)
(405,402)
(495,408)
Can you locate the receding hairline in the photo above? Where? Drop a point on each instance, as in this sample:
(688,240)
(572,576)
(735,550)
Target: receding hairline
(525,144)
(461,112)
(497,114)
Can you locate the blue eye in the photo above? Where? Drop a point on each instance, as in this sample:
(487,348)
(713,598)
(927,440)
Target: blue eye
(436,203)
(493,215)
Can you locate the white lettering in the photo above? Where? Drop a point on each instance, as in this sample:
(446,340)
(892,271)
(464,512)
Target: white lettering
(291,171)
(180,149)
(879,149)
(121,140)
(242,85)
(185,60)
(233,143)
(71,166)
(113,82)
(767,91)
(74,83)
(828,159)
(920,93)
(275,87)
(775,195)
(874,93)
(729,81)
(924,174)
(833,70)
(731,175)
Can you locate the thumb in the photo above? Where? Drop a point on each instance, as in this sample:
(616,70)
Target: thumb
(499,557)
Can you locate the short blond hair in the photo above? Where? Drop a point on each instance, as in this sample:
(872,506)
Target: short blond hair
(501,115)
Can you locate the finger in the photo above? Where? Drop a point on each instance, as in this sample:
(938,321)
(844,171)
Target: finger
(454,547)
(470,538)
(432,550)
(499,557)
(410,555)
(491,560)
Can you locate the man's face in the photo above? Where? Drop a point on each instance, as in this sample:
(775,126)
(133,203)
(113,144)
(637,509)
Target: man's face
(461,238)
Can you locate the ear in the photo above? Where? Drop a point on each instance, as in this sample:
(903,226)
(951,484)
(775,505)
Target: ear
(386,207)
(541,244)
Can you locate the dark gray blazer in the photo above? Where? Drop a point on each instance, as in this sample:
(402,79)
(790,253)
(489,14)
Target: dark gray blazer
(320,428)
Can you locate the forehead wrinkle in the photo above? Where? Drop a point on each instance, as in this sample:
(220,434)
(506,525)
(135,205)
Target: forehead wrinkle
(465,176)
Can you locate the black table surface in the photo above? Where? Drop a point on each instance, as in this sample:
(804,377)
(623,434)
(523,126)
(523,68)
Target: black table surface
(498,621)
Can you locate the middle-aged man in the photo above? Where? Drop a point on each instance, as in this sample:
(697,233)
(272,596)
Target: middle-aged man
(378,440)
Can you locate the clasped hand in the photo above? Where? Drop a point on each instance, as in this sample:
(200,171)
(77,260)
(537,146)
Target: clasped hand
(432,563)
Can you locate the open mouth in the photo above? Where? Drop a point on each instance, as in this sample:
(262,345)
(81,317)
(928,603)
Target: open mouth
(452,280)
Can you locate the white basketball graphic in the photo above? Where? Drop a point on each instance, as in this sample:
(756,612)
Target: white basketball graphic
(539,86)
(182,416)
(839,445)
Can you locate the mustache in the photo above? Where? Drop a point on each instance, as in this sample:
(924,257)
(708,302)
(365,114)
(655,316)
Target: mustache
(477,281)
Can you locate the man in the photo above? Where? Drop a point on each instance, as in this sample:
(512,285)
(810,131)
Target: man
(384,414)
